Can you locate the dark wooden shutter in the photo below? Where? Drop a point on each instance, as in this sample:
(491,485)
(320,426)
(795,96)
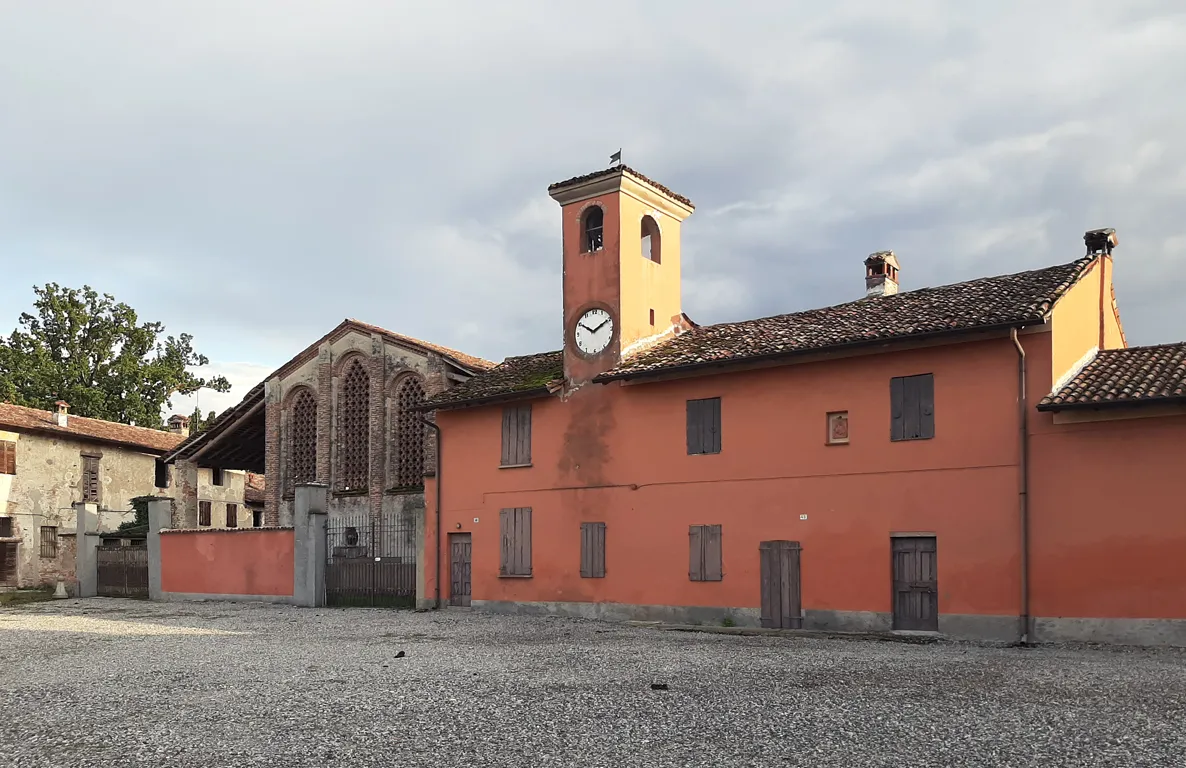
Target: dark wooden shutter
(592,550)
(203,513)
(704,425)
(232,515)
(90,479)
(516,435)
(912,407)
(713,570)
(696,553)
(7,457)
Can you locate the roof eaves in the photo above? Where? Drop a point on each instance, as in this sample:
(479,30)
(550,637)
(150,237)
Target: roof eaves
(504,397)
(1055,406)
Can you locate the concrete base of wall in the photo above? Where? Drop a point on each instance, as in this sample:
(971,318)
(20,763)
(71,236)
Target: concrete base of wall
(670,614)
(180,597)
(1149,632)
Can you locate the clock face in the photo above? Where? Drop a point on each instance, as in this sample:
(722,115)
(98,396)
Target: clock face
(593,331)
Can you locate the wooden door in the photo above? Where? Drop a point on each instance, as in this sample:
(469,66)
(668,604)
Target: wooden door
(780,585)
(460,552)
(916,583)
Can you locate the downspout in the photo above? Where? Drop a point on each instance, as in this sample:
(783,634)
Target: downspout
(436,558)
(1023,490)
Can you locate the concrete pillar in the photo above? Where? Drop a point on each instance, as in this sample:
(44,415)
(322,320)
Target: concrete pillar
(187,484)
(274,487)
(86,548)
(310,505)
(160,516)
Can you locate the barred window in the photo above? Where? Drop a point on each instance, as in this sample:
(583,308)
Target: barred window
(409,434)
(353,429)
(49,541)
(302,448)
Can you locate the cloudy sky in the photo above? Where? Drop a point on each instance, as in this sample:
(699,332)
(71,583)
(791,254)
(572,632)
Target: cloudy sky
(253,173)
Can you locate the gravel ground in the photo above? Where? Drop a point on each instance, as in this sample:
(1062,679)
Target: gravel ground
(111,682)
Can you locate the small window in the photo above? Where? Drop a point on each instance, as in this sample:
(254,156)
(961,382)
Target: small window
(257,518)
(203,513)
(162,474)
(912,407)
(216,477)
(232,515)
(515,534)
(90,479)
(704,554)
(651,240)
(591,229)
(652,317)
(49,541)
(7,457)
(838,428)
(592,550)
(516,435)
(5,527)
(704,426)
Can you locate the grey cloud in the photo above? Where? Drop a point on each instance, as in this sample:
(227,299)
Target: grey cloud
(253,173)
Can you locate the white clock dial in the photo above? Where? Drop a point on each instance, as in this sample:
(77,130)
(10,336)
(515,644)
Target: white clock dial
(593,332)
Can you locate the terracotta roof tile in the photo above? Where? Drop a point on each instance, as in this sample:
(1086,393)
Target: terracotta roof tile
(18,417)
(1125,376)
(620,169)
(254,488)
(469,361)
(528,374)
(986,302)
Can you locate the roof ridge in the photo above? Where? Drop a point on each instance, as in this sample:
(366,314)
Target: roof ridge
(457,354)
(74,417)
(1142,347)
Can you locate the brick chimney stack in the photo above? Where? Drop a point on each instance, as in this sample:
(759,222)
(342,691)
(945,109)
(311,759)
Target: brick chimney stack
(1100,241)
(178,424)
(61,416)
(881,274)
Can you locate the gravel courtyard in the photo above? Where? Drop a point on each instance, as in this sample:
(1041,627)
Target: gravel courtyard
(111,682)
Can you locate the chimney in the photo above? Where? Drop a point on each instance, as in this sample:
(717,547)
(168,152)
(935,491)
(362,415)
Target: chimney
(1100,241)
(881,274)
(178,424)
(60,416)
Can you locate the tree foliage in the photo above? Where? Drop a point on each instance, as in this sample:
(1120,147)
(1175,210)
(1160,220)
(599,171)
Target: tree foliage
(198,424)
(94,353)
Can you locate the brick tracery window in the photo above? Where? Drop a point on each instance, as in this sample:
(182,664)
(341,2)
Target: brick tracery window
(409,434)
(302,448)
(353,428)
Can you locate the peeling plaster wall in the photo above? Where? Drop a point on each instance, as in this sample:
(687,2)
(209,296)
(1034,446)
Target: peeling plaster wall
(48,481)
(230,492)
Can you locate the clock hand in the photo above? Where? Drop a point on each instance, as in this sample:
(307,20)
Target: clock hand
(603,322)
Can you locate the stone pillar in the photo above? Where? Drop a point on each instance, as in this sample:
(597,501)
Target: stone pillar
(325,413)
(86,548)
(187,484)
(377,428)
(310,504)
(160,515)
(274,482)
(425,543)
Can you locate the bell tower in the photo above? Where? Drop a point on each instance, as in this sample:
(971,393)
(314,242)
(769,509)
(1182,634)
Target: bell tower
(621,234)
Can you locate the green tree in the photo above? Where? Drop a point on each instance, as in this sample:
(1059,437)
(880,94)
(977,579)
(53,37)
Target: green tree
(197,423)
(94,353)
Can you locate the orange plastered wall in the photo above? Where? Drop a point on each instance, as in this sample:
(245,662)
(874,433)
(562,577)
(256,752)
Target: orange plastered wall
(617,454)
(228,562)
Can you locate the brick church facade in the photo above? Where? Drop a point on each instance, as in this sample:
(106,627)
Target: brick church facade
(988,459)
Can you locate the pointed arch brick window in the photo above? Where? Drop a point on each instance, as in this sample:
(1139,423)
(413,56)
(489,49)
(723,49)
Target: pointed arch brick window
(353,428)
(302,450)
(409,434)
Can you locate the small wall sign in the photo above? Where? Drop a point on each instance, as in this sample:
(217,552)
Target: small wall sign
(802,517)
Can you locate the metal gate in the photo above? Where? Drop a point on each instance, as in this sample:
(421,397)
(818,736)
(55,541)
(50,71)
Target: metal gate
(122,571)
(370,561)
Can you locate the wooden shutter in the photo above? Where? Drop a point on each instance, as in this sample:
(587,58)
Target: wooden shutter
(704,553)
(696,553)
(90,479)
(49,541)
(515,536)
(7,457)
(593,550)
(516,435)
(912,407)
(203,513)
(704,425)
(232,515)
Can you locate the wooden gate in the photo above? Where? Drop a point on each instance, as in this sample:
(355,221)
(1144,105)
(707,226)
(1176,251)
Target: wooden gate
(916,583)
(460,569)
(122,571)
(370,561)
(781,607)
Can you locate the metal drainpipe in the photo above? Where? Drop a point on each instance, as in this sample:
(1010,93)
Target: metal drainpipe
(1023,492)
(436,558)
